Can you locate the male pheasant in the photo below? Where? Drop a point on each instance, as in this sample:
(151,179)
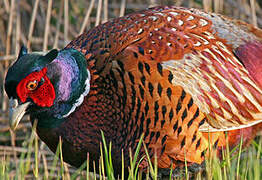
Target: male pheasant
(181,77)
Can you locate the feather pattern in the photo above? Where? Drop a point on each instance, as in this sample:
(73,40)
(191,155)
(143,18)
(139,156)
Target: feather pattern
(180,63)
(196,48)
(182,77)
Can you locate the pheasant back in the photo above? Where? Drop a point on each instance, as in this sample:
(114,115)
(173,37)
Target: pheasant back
(180,73)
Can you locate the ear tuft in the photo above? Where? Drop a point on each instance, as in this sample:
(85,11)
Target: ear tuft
(51,55)
(22,52)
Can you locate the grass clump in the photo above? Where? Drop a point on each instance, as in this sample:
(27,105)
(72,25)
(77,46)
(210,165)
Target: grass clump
(236,164)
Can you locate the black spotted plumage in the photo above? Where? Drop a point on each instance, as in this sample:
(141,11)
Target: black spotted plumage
(169,73)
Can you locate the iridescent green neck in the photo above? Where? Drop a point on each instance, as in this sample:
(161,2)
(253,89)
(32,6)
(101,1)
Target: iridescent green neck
(71,79)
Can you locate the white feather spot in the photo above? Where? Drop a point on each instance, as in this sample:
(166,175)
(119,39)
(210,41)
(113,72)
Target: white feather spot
(173,29)
(161,14)
(150,34)
(153,42)
(154,18)
(180,22)
(190,18)
(160,37)
(169,18)
(156,29)
(203,39)
(203,22)
(192,27)
(140,31)
(221,45)
(206,42)
(169,44)
(208,35)
(197,44)
(173,13)
(186,36)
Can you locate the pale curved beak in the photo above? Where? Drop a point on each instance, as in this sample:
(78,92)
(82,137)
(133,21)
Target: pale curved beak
(16,112)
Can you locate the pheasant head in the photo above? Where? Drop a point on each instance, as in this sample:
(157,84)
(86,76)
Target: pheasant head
(49,86)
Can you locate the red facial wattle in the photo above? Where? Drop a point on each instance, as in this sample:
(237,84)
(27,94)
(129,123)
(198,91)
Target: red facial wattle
(43,95)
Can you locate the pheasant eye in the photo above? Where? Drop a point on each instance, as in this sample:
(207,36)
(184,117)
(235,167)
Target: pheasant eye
(32,85)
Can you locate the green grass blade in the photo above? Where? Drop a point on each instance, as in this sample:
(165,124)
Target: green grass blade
(134,159)
(131,174)
(3,167)
(29,152)
(108,159)
(149,161)
(186,170)
(94,165)
(80,169)
(54,163)
(137,166)
(171,171)
(102,161)
(20,171)
(155,167)
(123,165)
(36,158)
(62,169)
(227,151)
(238,159)
(87,167)
(100,168)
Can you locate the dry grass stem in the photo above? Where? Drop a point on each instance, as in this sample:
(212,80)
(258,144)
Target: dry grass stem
(7,57)
(18,32)
(10,27)
(122,8)
(87,16)
(58,24)
(8,44)
(7,6)
(207,4)
(66,22)
(98,12)
(32,24)
(253,12)
(47,24)
(105,11)
(153,3)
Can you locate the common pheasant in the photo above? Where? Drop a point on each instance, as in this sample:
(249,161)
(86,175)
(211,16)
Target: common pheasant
(182,77)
